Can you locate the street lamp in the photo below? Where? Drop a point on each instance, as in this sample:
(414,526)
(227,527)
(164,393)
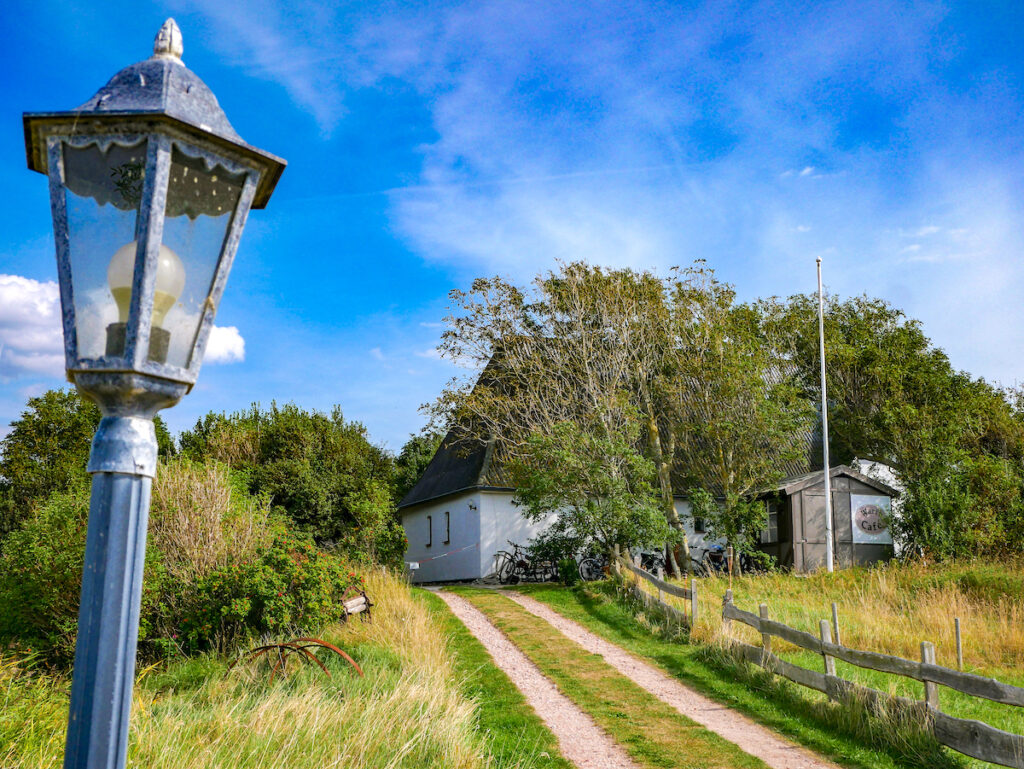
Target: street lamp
(150,187)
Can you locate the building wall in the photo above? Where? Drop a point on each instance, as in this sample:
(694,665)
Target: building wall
(440,562)
(808,519)
(481,523)
(501,521)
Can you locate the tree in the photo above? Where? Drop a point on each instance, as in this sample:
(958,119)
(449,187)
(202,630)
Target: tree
(47,451)
(413,460)
(564,354)
(740,416)
(599,488)
(320,469)
(956,442)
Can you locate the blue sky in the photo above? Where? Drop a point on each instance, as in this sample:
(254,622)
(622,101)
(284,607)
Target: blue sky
(430,143)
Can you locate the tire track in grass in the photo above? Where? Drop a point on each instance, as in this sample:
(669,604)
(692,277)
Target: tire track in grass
(774,750)
(653,733)
(581,741)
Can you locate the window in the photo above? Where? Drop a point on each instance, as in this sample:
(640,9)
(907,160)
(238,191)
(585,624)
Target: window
(430,530)
(771,532)
(447,528)
(698,526)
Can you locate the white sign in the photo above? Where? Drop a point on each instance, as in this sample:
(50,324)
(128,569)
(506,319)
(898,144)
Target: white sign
(413,565)
(870,516)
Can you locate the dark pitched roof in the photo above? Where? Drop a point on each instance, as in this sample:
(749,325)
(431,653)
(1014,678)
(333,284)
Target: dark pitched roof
(457,465)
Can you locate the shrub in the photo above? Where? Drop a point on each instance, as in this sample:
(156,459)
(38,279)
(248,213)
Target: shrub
(320,469)
(220,569)
(292,587)
(568,571)
(47,450)
(41,577)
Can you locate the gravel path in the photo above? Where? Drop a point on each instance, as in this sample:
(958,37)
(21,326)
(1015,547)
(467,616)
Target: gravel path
(581,741)
(751,737)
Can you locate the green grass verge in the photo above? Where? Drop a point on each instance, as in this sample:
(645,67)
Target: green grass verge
(848,737)
(511,730)
(653,733)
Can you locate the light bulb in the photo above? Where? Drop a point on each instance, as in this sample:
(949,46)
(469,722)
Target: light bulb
(170,281)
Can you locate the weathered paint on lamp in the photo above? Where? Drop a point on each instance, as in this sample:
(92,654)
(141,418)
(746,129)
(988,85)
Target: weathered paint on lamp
(150,187)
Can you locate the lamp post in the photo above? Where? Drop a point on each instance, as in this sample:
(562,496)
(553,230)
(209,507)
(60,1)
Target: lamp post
(150,187)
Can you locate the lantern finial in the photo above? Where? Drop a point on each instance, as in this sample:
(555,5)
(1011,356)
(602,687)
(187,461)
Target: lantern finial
(168,43)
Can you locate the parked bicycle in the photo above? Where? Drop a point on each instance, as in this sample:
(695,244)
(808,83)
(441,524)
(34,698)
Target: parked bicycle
(592,567)
(521,566)
(712,561)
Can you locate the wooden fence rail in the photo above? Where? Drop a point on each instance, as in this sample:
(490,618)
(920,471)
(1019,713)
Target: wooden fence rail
(972,738)
(688,594)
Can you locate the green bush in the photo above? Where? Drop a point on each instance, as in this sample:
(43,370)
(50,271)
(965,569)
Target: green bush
(219,571)
(47,450)
(291,588)
(41,577)
(568,571)
(319,469)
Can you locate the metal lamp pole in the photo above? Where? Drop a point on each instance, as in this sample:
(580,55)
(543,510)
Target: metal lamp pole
(150,187)
(829,557)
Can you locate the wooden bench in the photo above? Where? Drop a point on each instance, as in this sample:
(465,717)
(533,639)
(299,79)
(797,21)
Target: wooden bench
(358,603)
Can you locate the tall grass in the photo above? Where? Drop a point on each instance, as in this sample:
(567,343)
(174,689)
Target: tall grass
(407,711)
(200,520)
(890,608)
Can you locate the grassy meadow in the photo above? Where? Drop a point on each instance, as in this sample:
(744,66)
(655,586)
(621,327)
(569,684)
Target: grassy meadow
(891,609)
(420,704)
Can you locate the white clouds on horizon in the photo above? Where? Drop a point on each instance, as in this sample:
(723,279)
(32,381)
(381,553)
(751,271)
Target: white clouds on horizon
(32,339)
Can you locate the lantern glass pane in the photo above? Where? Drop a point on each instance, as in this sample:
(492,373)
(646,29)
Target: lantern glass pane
(201,201)
(103,188)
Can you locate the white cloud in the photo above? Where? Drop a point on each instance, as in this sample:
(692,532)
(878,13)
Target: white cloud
(31,338)
(377,354)
(225,345)
(433,353)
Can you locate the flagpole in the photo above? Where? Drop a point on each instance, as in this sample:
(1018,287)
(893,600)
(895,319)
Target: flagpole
(829,558)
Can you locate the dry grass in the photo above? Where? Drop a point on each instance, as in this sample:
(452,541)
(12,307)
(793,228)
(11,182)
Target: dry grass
(892,609)
(200,523)
(407,712)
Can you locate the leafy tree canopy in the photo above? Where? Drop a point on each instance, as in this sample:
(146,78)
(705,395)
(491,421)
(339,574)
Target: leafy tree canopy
(319,468)
(47,451)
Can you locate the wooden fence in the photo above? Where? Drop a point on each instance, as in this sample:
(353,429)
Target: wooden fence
(972,738)
(688,594)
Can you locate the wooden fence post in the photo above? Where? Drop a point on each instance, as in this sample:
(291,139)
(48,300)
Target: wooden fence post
(693,602)
(726,599)
(826,638)
(766,639)
(931,689)
(959,646)
(835,622)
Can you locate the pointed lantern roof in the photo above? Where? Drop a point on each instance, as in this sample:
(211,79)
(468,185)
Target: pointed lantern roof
(162,89)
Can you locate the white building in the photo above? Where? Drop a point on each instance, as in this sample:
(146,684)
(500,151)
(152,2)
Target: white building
(461,513)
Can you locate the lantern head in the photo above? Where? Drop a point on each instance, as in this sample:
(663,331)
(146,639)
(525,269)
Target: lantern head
(150,187)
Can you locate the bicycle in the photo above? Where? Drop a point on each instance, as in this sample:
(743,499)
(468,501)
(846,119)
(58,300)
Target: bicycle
(592,567)
(712,562)
(521,566)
